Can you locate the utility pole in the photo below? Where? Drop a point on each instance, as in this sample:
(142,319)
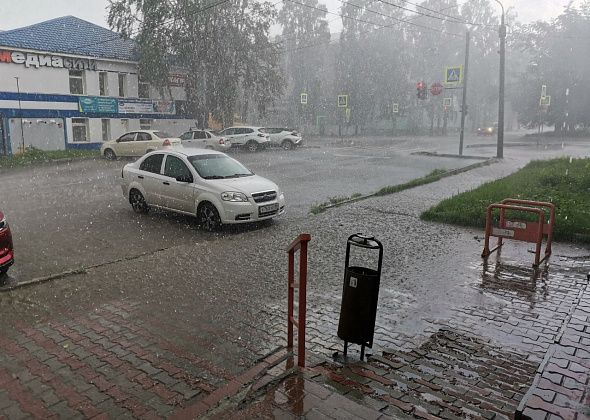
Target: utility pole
(20,110)
(464,100)
(500,150)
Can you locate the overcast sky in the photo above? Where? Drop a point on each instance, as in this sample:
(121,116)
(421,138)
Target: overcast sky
(27,12)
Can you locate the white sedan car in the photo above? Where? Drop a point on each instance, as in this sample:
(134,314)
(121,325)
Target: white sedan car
(210,185)
(137,143)
(205,139)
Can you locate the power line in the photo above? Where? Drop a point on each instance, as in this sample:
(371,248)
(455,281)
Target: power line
(419,13)
(373,23)
(449,16)
(319,44)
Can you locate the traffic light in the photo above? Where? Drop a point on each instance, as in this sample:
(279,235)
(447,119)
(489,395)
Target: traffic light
(421,91)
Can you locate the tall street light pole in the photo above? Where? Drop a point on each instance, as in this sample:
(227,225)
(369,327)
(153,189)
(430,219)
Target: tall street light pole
(500,150)
(20,110)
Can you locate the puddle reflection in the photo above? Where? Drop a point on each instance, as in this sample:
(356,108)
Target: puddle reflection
(515,281)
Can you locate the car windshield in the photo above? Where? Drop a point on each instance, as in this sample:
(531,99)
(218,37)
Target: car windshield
(218,167)
(162,134)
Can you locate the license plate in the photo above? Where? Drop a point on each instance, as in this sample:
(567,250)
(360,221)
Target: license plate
(268,208)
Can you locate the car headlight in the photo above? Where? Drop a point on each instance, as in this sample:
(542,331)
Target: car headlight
(233,196)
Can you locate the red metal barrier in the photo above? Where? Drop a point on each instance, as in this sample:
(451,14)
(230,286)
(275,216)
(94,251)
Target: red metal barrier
(299,244)
(521,230)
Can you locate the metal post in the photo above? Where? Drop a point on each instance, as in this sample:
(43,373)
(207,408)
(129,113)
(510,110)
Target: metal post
(302,305)
(500,150)
(20,110)
(464,100)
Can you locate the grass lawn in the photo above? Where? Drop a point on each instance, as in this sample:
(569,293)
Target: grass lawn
(564,182)
(35,156)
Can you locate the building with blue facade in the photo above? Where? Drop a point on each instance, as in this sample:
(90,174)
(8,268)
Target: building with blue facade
(70,84)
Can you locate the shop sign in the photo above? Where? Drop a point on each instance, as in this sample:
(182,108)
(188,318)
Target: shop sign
(146,106)
(98,105)
(177,79)
(42,60)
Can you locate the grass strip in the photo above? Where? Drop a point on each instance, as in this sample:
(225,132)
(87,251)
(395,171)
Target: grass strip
(433,176)
(34,156)
(564,182)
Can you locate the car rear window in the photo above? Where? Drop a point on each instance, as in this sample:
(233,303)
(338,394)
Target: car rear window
(162,134)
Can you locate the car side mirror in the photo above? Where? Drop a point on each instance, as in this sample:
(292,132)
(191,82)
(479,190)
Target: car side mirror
(184,178)
(118,140)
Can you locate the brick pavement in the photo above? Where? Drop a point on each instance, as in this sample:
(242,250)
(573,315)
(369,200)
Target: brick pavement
(118,362)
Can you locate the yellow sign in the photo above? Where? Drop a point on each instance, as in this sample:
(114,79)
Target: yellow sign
(342,101)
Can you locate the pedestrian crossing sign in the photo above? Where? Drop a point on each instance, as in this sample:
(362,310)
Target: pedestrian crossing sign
(304,98)
(453,75)
(342,101)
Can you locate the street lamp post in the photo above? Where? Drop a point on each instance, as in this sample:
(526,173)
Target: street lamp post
(20,110)
(500,149)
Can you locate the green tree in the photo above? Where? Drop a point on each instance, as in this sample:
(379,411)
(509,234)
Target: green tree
(305,33)
(223,46)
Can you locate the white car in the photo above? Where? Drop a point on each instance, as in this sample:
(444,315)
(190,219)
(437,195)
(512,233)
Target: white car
(284,137)
(205,139)
(137,143)
(210,185)
(253,138)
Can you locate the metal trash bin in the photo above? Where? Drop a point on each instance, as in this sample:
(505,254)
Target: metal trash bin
(360,294)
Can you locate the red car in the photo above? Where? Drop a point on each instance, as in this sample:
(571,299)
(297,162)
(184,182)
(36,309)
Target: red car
(6,250)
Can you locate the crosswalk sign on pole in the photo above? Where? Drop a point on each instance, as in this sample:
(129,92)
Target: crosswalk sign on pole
(395,108)
(342,101)
(453,75)
(304,98)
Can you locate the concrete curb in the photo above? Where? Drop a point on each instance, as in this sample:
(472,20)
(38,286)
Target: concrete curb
(450,155)
(451,172)
(50,162)
(75,271)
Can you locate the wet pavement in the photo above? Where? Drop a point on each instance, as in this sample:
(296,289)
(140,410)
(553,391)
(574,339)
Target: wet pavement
(73,215)
(196,328)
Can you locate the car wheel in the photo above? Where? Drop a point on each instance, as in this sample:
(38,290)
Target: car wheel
(138,202)
(110,154)
(209,217)
(252,146)
(287,145)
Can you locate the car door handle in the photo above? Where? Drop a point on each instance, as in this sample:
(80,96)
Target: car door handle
(166,183)
(140,176)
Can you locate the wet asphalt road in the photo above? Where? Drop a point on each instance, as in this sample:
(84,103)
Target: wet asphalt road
(69,216)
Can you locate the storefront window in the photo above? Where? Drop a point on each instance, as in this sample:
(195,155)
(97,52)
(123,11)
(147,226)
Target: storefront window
(103,83)
(77,82)
(106,129)
(144,90)
(122,79)
(80,129)
(145,124)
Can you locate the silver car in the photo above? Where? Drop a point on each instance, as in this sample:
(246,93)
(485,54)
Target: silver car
(210,185)
(205,139)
